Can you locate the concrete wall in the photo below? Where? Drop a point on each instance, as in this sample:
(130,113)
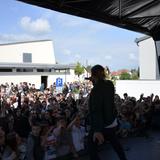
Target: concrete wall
(35,77)
(148,60)
(42,52)
(16,79)
(137,87)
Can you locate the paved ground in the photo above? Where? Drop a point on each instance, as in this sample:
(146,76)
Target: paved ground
(137,148)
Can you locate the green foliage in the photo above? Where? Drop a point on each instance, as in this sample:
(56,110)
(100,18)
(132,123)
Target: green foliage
(114,78)
(76,91)
(79,69)
(134,74)
(129,76)
(125,76)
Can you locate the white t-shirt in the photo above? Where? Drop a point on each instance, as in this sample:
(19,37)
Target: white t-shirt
(78,135)
(50,153)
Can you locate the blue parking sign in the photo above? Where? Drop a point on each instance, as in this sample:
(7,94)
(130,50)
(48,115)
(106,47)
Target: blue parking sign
(59,82)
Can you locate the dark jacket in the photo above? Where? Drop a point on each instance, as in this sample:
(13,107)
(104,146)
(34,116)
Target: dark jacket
(101,105)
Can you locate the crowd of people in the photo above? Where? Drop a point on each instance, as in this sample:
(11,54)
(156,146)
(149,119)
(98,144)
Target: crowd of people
(42,124)
(135,117)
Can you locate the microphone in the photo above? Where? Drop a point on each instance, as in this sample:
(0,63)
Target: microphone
(88,78)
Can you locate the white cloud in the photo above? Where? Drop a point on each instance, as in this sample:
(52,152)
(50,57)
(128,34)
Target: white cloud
(108,57)
(132,56)
(5,38)
(38,26)
(67,52)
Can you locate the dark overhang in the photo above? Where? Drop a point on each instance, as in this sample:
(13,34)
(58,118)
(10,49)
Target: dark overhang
(137,15)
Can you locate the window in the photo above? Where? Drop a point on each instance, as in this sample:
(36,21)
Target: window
(5,70)
(57,70)
(62,70)
(24,70)
(44,70)
(27,57)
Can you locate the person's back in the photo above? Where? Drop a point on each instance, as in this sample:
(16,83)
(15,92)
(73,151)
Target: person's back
(102,99)
(102,114)
(108,102)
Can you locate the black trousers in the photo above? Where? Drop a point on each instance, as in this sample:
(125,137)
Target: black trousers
(109,134)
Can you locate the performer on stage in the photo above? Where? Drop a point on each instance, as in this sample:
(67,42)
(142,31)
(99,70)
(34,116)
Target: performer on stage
(102,114)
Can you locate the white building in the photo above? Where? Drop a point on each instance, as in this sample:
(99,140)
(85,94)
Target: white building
(28,52)
(149,71)
(33,62)
(148,59)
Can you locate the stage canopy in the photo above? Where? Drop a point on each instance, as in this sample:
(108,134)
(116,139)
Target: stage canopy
(137,15)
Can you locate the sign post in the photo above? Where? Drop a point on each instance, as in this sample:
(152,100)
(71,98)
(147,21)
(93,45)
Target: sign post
(59,84)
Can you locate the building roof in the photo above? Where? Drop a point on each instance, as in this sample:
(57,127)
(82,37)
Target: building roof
(136,15)
(137,40)
(13,43)
(119,72)
(37,65)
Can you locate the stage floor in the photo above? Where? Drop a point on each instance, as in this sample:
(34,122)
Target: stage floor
(137,148)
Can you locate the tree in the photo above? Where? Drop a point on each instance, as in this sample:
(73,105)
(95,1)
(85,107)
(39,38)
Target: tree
(134,74)
(88,68)
(79,69)
(125,76)
(108,73)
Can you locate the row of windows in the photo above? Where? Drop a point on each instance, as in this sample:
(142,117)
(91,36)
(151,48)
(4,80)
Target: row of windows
(24,70)
(31,70)
(5,70)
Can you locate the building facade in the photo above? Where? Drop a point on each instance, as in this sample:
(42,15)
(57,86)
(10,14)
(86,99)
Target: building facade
(33,62)
(149,71)
(28,52)
(148,59)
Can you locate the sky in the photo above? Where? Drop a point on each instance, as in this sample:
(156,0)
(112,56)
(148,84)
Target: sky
(75,39)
